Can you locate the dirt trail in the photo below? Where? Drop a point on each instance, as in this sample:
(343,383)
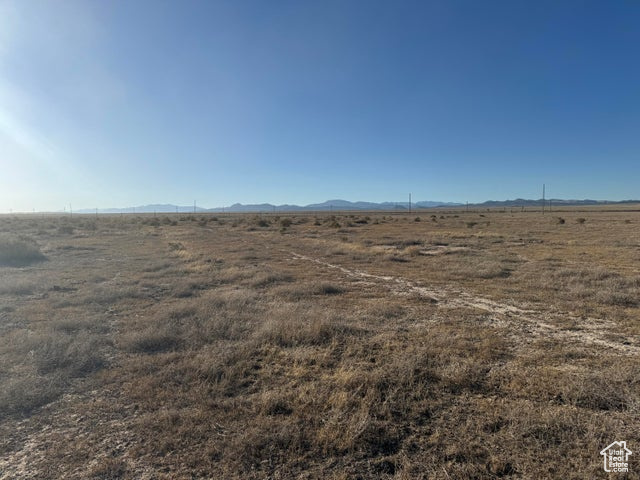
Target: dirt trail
(531,324)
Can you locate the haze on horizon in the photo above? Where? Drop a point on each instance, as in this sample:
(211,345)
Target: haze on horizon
(113,104)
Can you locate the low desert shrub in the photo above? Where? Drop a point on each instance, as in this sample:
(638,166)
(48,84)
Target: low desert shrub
(21,395)
(151,340)
(262,280)
(19,252)
(291,327)
(10,286)
(77,354)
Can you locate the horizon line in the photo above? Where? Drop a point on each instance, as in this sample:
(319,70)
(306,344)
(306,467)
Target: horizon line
(326,204)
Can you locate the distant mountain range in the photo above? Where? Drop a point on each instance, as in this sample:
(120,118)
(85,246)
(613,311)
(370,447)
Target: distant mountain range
(521,202)
(345,205)
(331,205)
(268,207)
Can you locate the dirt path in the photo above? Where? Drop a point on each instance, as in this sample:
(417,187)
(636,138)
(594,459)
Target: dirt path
(530,324)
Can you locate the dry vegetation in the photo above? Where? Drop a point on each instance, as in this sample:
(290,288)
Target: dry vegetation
(446,345)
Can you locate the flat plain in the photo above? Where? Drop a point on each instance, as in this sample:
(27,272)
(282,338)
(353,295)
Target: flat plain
(435,344)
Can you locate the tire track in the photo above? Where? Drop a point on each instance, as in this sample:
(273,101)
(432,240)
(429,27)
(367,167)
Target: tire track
(527,322)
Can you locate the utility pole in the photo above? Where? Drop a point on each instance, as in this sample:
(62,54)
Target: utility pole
(543,201)
(194,206)
(409,203)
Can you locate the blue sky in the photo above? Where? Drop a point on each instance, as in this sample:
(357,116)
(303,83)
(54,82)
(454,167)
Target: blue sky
(120,103)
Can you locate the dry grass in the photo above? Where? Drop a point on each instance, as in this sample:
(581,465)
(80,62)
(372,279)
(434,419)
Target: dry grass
(605,286)
(198,347)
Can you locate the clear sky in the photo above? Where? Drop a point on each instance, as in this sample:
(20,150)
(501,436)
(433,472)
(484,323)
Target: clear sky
(122,103)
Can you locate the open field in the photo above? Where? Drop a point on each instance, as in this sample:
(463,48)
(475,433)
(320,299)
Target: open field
(435,345)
